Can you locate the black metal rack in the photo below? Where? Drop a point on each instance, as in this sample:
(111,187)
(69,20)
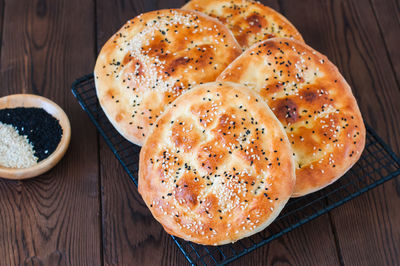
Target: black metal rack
(377,165)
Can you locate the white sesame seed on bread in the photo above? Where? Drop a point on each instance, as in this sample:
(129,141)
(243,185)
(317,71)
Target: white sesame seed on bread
(218,165)
(249,21)
(313,102)
(153,59)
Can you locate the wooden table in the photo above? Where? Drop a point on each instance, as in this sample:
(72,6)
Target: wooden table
(87,211)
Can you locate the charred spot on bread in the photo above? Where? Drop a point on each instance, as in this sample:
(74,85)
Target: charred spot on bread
(218,167)
(312,101)
(153,59)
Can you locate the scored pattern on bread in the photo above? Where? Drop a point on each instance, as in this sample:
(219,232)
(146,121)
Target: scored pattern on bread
(313,102)
(249,21)
(218,166)
(153,59)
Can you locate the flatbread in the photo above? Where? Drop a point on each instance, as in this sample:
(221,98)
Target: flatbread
(313,102)
(218,165)
(153,59)
(250,21)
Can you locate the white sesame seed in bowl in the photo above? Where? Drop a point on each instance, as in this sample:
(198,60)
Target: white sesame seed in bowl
(21,163)
(15,150)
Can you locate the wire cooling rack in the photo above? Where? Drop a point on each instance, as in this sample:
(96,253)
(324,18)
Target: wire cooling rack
(376,165)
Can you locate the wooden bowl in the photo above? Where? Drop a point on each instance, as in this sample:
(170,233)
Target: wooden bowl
(30,100)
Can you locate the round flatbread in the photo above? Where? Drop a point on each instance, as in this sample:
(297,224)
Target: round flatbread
(153,59)
(313,102)
(249,21)
(218,166)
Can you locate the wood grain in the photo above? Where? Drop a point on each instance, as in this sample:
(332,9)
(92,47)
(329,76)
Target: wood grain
(294,248)
(387,14)
(130,234)
(52,219)
(347,32)
(2,6)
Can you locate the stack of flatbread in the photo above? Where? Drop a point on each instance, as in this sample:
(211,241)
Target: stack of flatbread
(234,112)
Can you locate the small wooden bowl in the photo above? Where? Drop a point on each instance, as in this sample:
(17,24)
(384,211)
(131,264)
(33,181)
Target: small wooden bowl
(30,100)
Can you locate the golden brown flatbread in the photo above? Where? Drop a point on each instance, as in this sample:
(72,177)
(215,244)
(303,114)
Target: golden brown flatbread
(153,59)
(218,166)
(313,102)
(250,21)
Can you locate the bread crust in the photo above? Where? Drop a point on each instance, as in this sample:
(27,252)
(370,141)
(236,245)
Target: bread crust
(250,21)
(313,102)
(153,59)
(218,165)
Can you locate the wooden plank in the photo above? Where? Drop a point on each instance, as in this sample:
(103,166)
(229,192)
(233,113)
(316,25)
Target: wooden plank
(2,5)
(387,13)
(52,219)
(347,32)
(131,235)
(295,247)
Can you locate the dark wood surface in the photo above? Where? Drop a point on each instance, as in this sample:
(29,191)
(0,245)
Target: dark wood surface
(87,211)
(53,219)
